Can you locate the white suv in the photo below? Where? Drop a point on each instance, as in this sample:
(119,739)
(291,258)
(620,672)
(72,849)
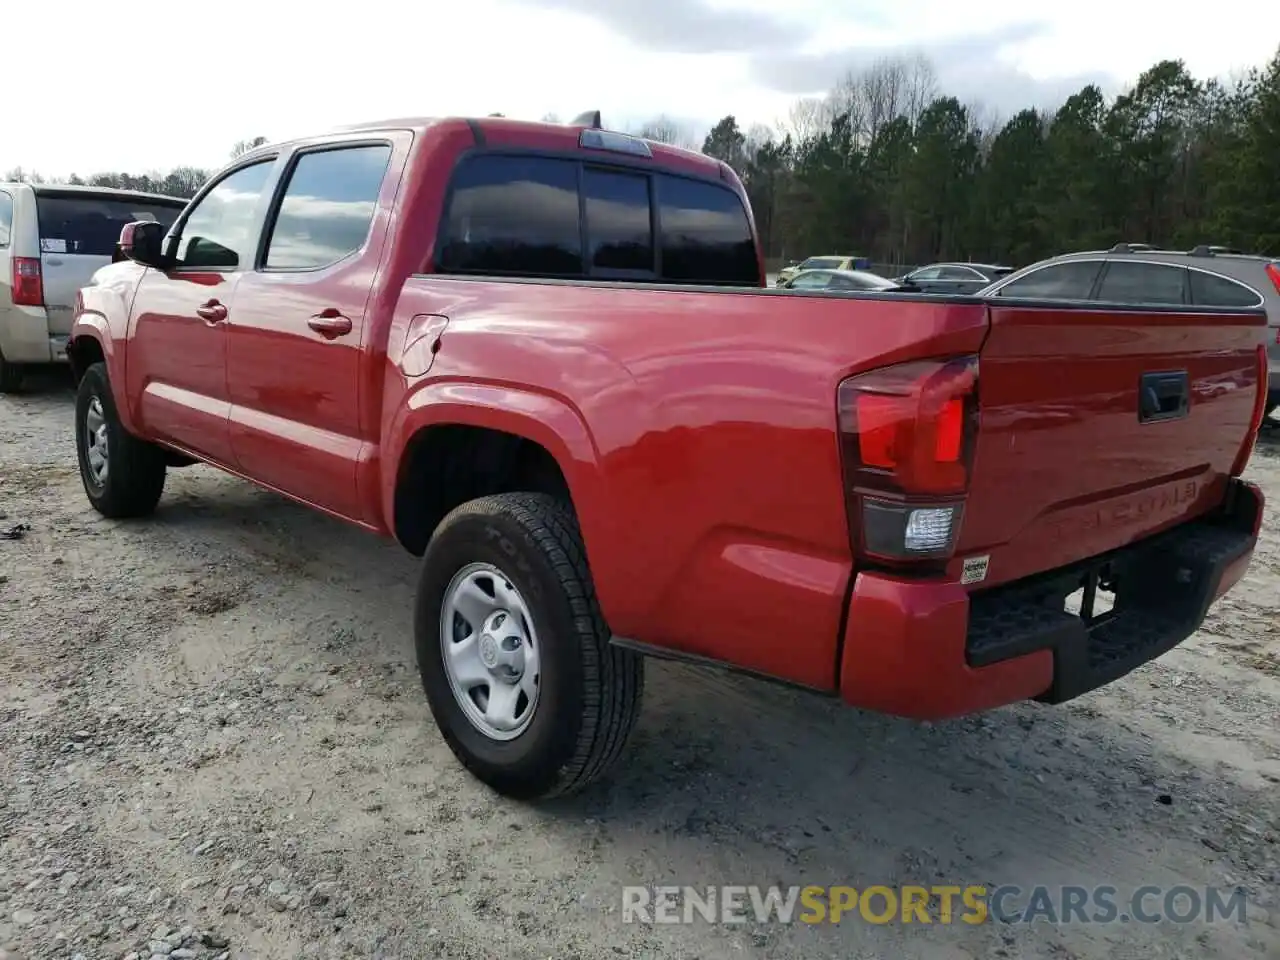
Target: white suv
(53,237)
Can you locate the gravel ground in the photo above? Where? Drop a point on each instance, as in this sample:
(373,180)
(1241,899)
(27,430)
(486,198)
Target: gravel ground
(213,743)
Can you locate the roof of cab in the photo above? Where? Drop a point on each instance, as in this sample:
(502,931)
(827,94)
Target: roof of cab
(87,190)
(507,131)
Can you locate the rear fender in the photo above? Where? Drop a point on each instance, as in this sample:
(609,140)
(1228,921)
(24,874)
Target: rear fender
(543,419)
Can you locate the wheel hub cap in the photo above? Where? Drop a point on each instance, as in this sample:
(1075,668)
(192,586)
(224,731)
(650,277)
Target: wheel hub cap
(95,442)
(490,651)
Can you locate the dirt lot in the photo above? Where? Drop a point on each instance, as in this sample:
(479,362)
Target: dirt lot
(213,742)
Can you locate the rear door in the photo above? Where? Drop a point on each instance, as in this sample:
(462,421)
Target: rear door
(78,231)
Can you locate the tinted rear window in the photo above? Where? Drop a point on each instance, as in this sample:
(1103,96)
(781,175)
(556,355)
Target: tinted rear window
(822,263)
(1211,290)
(90,226)
(520,216)
(618,224)
(706,237)
(514,216)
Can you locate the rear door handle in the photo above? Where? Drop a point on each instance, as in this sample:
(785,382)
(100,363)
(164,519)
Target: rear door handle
(211,312)
(329,324)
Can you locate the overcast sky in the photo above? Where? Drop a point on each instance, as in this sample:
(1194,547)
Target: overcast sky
(143,84)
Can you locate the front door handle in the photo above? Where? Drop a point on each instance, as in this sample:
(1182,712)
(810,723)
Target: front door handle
(211,312)
(329,324)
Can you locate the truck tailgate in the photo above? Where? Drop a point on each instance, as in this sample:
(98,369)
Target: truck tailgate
(1103,425)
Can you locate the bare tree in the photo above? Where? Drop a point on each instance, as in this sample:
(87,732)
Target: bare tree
(921,87)
(244,146)
(663,129)
(807,118)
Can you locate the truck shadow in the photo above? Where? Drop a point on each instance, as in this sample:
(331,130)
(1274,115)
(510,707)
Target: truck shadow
(730,780)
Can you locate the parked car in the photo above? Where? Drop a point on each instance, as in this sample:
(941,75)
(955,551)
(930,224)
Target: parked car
(1212,277)
(829,262)
(52,239)
(544,359)
(839,280)
(953,277)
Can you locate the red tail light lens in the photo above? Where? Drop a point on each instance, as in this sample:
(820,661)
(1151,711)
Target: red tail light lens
(28,282)
(910,428)
(907,435)
(1273,271)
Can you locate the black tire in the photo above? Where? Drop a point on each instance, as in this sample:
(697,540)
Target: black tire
(11,376)
(135,468)
(589,691)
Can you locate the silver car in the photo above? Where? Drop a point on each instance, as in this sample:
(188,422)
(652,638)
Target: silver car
(53,237)
(1207,276)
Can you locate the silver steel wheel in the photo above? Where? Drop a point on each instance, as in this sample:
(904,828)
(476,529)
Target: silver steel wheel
(95,441)
(490,651)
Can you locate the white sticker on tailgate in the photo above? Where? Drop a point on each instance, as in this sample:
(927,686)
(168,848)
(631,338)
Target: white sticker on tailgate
(975,568)
(53,245)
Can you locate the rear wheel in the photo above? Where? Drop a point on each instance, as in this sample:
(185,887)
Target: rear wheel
(514,652)
(11,376)
(123,476)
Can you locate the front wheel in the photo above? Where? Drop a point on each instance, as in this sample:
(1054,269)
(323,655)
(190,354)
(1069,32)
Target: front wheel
(514,652)
(122,475)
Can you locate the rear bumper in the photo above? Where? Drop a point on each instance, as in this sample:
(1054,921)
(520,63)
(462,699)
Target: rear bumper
(932,650)
(25,337)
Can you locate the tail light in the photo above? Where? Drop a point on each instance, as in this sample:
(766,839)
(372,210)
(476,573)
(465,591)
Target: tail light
(28,283)
(1259,411)
(1273,271)
(907,435)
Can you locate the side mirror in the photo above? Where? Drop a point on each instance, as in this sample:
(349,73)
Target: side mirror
(141,241)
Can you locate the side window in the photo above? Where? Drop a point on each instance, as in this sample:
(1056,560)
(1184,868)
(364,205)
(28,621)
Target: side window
(219,234)
(619,230)
(928,273)
(959,273)
(6,218)
(1142,283)
(1061,281)
(513,215)
(810,281)
(327,207)
(706,237)
(1211,290)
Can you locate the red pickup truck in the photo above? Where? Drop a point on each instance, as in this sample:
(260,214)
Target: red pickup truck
(544,358)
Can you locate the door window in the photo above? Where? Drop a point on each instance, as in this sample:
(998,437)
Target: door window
(1072,280)
(327,207)
(927,273)
(810,281)
(220,233)
(1142,283)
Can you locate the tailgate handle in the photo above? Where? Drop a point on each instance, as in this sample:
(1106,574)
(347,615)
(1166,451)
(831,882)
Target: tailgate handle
(1163,396)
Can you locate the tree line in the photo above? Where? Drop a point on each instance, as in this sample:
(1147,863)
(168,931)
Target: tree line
(888,166)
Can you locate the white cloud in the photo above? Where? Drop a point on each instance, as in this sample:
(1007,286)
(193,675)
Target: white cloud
(150,85)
